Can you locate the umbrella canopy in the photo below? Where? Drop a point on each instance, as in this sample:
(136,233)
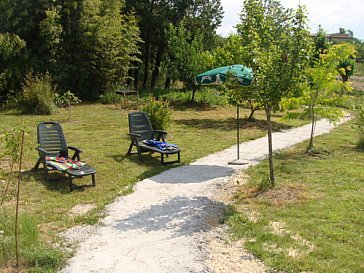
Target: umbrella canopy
(242,74)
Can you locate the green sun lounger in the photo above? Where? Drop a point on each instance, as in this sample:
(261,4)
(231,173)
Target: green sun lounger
(140,130)
(53,154)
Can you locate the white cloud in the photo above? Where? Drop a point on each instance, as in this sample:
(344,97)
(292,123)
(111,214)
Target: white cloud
(330,14)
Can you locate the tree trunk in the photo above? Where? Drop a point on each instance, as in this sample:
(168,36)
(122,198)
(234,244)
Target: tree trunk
(344,78)
(146,64)
(268,111)
(252,110)
(147,52)
(156,70)
(136,78)
(313,127)
(167,83)
(193,93)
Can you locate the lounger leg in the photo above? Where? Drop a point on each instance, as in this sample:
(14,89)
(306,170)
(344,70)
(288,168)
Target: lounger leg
(140,154)
(93,180)
(162,159)
(131,147)
(70,182)
(45,171)
(179,158)
(36,166)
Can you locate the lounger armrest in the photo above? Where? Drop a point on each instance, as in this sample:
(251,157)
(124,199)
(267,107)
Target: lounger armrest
(77,150)
(134,136)
(43,151)
(158,134)
(76,154)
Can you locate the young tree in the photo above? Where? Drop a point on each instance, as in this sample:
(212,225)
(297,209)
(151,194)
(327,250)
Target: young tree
(14,142)
(323,91)
(277,47)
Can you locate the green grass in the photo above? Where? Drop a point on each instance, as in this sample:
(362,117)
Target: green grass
(359,69)
(101,132)
(318,203)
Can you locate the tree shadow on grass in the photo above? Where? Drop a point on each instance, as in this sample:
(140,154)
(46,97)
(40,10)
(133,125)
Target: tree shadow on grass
(150,161)
(229,124)
(192,174)
(180,215)
(192,105)
(149,158)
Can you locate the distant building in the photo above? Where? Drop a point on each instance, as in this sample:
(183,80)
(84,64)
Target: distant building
(337,37)
(340,37)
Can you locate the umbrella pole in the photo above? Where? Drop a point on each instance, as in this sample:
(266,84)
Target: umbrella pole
(237,161)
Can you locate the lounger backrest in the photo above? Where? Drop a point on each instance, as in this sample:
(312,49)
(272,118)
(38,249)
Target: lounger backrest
(139,123)
(51,138)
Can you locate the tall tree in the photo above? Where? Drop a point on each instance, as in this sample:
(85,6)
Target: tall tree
(13,59)
(86,45)
(186,57)
(277,45)
(154,18)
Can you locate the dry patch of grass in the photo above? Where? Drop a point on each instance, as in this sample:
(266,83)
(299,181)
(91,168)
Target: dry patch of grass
(283,195)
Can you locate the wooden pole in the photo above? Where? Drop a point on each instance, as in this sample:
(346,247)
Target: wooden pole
(17,199)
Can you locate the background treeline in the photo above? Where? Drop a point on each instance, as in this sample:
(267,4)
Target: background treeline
(93,46)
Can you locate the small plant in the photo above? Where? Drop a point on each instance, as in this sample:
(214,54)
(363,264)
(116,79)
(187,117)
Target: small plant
(66,100)
(37,95)
(159,113)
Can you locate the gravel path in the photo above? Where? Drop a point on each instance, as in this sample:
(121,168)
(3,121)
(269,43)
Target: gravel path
(170,223)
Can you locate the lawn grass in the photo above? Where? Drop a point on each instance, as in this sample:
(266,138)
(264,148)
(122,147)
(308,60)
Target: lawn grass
(101,132)
(313,220)
(359,69)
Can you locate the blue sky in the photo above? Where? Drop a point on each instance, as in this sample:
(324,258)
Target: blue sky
(330,14)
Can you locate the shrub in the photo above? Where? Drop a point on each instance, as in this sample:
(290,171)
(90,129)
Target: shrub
(37,95)
(110,97)
(159,113)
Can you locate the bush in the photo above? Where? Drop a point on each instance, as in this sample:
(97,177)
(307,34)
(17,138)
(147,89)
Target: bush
(37,95)
(110,97)
(159,113)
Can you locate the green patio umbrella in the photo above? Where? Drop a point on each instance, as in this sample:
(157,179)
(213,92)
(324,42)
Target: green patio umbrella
(237,73)
(241,74)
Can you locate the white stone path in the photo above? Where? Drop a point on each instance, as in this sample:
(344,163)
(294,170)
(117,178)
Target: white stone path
(160,227)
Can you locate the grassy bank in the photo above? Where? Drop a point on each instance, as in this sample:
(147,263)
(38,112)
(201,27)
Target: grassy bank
(313,220)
